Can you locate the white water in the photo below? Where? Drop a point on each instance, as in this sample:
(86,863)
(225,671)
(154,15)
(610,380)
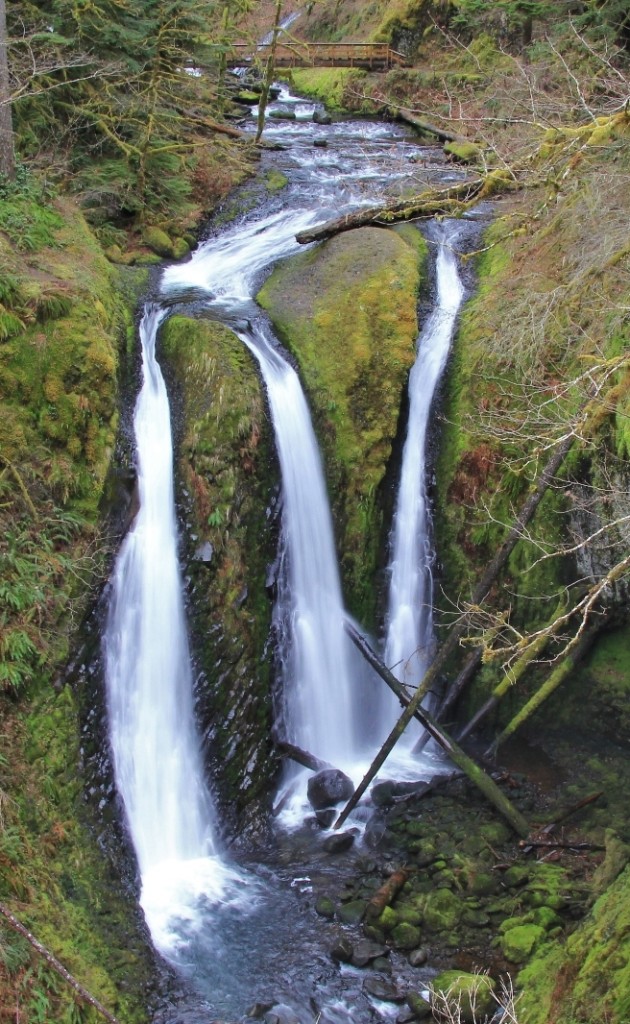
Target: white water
(409,640)
(157,760)
(321,697)
(156,750)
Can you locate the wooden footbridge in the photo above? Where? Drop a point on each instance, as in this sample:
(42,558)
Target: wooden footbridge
(369,56)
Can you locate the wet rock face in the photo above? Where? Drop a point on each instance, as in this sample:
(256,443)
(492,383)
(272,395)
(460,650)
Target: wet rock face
(354,358)
(226,496)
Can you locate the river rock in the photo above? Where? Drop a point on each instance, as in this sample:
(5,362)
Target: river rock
(352,912)
(418,957)
(470,993)
(383,988)
(281,1014)
(365,951)
(338,842)
(343,950)
(325,817)
(320,143)
(329,787)
(322,117)
(418,1005)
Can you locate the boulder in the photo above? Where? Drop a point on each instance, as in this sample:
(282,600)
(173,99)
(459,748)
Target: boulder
(328,788)
(383,988)
(322,117)
(338,842)
(365,951)
(518,944)
(352,912)
(471,994)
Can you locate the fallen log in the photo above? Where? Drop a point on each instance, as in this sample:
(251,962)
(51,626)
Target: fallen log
(303,757)
(452,639)
(56,965)
(471,769)
(425,126)
(384,896)
(454,199)
(559,674)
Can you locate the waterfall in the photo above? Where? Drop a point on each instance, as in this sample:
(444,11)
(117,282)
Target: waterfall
(320,696)
(321,702)
(409,638)
(156,750)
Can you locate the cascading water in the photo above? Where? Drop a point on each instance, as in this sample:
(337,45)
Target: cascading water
(321,699)
(189,892)
(157,760)
(409,639)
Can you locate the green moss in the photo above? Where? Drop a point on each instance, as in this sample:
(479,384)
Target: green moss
(588,978)
(275,180)
(406,936)
(442,911)
(354,358)
(159,241)
(330,85)
(470,993)
(463,152)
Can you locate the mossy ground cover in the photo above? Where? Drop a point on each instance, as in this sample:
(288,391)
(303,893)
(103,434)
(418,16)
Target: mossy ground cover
(63,324)
(347,310)
(227,467)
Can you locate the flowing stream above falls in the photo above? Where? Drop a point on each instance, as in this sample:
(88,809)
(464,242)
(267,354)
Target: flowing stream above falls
(230,927)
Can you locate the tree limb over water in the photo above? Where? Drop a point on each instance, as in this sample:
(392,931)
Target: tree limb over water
(451,201)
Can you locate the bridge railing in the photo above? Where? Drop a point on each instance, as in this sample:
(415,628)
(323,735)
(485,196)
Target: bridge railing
(362,55)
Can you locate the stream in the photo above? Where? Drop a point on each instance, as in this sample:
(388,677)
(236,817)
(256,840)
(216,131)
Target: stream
(247,933)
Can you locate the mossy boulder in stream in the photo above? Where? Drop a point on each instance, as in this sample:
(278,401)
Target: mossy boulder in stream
(347,310)
(227,474)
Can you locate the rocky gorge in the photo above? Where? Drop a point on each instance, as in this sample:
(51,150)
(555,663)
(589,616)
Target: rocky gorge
(466,894)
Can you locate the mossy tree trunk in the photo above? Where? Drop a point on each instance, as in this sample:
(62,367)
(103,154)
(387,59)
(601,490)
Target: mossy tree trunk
(7,152)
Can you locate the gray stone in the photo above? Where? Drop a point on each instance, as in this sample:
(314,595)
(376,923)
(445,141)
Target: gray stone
(281,1014)
(328,788)
(418,957)
(343,950)
(383,988)
(365,951)
(339,842)
(353,912)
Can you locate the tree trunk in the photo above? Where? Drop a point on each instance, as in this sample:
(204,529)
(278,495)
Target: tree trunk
(473,771)
(269,72)
(7,151)
(456,198)
(56,965)
(452,639)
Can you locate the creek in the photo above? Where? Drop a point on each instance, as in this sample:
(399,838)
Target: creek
(248,933)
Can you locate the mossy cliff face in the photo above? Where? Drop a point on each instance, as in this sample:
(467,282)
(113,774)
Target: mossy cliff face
(63,324)
(347,311)
(542,350)
(228,472)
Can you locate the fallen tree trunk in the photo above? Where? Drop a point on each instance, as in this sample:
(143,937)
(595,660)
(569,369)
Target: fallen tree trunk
(456,198)
(385,895)
(56,965)
(470,768)
(303,757)
(425,126)
(551,684)
(452,639)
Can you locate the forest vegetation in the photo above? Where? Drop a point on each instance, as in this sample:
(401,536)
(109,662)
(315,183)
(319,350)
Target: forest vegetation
(114,150)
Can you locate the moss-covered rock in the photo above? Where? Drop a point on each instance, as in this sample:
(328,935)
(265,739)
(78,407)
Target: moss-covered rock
(225,460)
(347,310)
(159,241)
(442,911)
(469,994)
(406,936)
(518,943)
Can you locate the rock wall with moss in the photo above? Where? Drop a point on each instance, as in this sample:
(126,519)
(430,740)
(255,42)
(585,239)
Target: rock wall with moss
(63,325)
(228,478)
(347,311)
